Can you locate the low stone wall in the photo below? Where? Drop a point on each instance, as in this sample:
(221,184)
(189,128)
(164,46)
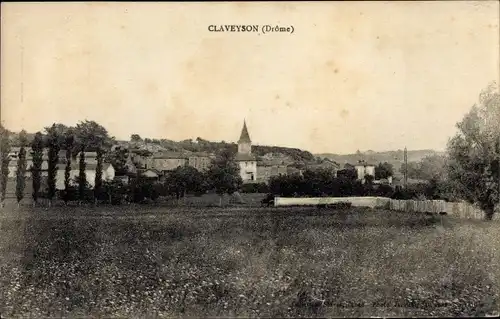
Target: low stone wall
(458,209)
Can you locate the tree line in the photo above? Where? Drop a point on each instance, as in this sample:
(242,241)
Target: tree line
(85,136)
(222,175)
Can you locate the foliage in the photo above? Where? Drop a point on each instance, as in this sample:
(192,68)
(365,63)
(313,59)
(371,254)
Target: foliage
(21,174)
(183,180)
(320,183)
(140,189)
(223,174)
(4,150)
(37,146)
(254,188)
(93,136)
(135,138)
(115,191)
(384,170)
(54,142)
(98,175)
(82,175)
(348,173)
(69,141)
(474,153)
(118,158)
(430,167)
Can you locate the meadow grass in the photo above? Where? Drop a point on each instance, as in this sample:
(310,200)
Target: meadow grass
(245,262)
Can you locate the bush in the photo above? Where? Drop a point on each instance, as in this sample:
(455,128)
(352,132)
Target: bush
(142,189)
(429,191)
(384,191)
(254,188)
(317,184)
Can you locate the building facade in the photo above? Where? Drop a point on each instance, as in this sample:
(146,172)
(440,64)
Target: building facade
(200,161)
(108,173)
(267,170)
(166,161)
(364,169)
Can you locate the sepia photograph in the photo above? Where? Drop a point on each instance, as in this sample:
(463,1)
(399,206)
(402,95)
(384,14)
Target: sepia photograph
(300,159)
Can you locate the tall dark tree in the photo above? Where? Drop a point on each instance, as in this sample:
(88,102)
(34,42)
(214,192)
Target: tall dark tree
(98,175)
(223,174)
(82,176)
(21,168)
(91,137)
(36,170)
(5,159)
(69,141)
(474,153)
(54,145)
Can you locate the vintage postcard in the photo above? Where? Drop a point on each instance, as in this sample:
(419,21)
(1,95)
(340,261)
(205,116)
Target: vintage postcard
(250,159)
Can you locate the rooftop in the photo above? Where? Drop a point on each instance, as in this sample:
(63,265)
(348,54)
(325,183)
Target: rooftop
(241,157)
(169,155)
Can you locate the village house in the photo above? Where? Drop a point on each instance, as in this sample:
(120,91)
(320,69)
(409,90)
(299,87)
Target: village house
(165,161)
(364,169)
(90,157)
(152,174)
(108,173)
(269,168)
(325,164)
(29,163)
(247,162)
(200,161)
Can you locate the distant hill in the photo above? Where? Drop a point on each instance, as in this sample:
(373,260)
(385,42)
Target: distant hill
(395,158)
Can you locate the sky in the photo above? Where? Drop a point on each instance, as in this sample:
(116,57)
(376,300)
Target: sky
(352,76)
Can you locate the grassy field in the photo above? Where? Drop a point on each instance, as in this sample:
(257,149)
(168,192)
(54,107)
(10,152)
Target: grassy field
(154,261)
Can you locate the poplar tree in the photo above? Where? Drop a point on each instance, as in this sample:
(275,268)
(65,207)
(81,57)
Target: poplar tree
(68,145)
(5,159)
(36,169)
(21,168)
(53,142)
(98,175)
(82,177)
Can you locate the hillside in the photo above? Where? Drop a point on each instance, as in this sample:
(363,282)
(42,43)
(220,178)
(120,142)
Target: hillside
(201,145)
(393,157)
(198,145)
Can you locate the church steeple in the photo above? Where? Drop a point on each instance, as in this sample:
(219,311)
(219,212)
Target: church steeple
(244,143)
(244,137)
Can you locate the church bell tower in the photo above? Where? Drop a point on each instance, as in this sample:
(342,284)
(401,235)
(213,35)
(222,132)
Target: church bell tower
(244,143)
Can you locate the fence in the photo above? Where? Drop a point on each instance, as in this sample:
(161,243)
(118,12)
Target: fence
(419,206)
(458,209)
